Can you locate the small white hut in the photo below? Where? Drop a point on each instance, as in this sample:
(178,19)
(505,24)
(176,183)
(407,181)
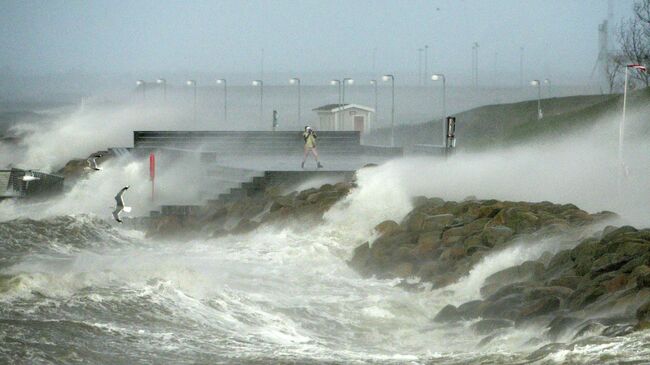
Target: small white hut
(345,117)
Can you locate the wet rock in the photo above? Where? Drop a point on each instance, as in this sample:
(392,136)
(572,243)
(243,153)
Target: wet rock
(359,260)
(608,262)
(615,284)
(615,232)
(643,316)
(540,292)
(571,282)
(470,310)
(282,201)
(560,326)
(245,226)
(643,280)
(527,271)
(304,195)
(419,201)
(496,235)
(448,313)
(617,330)
(487,326)
(590,328)
(437,222)
(343,187)
(453,254)
(388,228)
(517,219)
(540,307)
(584,296)
(403,270)
(503,308)
(545,350)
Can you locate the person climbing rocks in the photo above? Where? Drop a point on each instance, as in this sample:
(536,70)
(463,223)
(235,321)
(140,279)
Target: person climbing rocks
(310,146)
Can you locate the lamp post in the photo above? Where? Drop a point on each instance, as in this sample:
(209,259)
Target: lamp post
(540,115)
(437,77)
(392,109)
(348,81)
(225,98)
(521,67)
(621,126)
(142,85)
(338,84)
(426,64)
(475,47)
(374,83)
(296,81)
(420,50)
(260,83)
(193,84)
(163,82)
(547,82)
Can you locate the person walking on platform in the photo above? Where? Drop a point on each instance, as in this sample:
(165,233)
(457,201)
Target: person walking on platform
(310,146)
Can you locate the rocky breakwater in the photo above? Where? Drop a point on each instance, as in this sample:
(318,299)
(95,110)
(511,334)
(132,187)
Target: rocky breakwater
(273,205)
(440,241)
(591,281)
(599,287)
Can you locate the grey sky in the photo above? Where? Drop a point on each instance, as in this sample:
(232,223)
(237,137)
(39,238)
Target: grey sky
(298,36)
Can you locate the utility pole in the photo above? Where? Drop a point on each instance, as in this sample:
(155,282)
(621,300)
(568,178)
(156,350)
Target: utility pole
(420,50)
(475,49)
(521,67)
(426,64)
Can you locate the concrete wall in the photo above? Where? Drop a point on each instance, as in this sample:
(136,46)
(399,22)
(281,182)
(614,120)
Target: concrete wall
(46,185)
(247,143)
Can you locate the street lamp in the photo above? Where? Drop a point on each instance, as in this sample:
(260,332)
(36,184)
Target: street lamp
(621,126)
(420,50)
(260,83)
(426,63)
(547,82)
(336,117)
(374,83)
(163,82)
(475,48)
(193,83)
(392,109)
(225,98)
(539,98)
(348,81)
(437,77)
(296,81)
(143,85)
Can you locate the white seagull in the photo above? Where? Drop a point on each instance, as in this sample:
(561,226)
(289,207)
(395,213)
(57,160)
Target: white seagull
(92,162)
(120,205)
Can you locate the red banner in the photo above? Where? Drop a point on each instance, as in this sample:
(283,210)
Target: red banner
(152,166)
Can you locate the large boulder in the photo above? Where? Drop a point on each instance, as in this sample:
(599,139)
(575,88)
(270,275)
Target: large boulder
(643,316)
(539,307)
(487,326)
(448,313)
(388,228)
(527,271)
(437,222)
(516,218)
(497,234)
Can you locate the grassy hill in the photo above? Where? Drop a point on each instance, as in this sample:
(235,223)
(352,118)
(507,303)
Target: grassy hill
(507,124)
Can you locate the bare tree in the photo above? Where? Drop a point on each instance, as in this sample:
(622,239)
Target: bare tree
(642,12)
(613,67)
(634,39)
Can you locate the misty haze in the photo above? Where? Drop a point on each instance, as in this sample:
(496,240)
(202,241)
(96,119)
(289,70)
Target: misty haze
(325,182)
